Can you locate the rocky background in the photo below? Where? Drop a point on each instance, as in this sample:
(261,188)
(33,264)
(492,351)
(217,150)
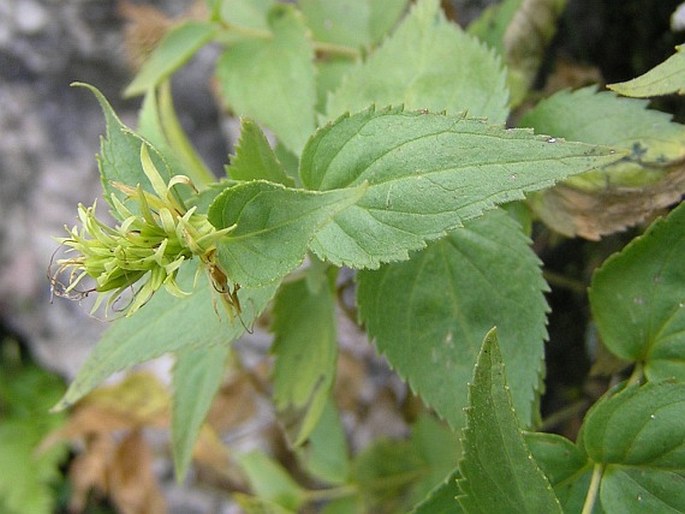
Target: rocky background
(49,135)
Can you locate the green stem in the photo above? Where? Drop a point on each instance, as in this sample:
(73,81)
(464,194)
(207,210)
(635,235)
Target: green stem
(319,46)
(562,415)
(352,489)
(592,491)
(556,279)
(334,49)
(636,375)
(247,31)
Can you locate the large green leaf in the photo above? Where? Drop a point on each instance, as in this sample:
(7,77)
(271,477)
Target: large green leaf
(306,350)
(668,77)
(119,158)
(427,174)
(428,63)
(638,299)
(274,226)
(254,159)
(173,51)
(197,375)
(167,324)
(637,436)
(355,23)
(429,314)
(498,470)
(272,79)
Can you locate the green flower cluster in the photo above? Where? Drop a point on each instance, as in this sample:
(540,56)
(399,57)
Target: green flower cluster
(151,243)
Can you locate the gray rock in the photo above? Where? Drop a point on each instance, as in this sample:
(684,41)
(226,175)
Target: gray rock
(49,135)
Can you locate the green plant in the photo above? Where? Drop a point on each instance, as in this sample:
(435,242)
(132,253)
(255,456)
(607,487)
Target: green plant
(30,473)
(393,158)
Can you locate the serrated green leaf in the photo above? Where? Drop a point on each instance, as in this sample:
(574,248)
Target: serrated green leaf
(197,375)
(665,78)
(167,324)
(637,435)
(270,481)
(428,63)
(604,118)
(173,51)
(274,225)
(427,174)
(442,499)
(326,455)
(638,299)
(119,158)
(429,314)
(355,23)
(498,470)
(254,159)
(272,80)
(306,351)
(566,467)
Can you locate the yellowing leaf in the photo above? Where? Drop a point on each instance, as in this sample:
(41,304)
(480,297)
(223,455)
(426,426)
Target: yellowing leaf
(665,78)
(612,197)
(140,396)
(131,481)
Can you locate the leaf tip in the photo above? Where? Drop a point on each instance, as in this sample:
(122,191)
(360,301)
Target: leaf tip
(60,406)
